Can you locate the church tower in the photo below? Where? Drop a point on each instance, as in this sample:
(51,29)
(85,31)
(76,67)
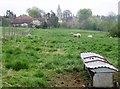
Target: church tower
(59,13)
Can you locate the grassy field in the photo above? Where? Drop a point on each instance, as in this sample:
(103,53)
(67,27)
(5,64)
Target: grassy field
(38,59)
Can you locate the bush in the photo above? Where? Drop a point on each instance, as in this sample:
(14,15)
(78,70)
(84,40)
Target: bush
(115,32)
(44,25)
(63,25)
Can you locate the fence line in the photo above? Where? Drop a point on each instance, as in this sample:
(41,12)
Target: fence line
(13,31)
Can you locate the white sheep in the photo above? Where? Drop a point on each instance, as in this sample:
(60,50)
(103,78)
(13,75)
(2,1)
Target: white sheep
(90,36)
(78,35)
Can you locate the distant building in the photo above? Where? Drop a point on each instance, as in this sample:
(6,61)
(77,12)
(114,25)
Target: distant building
(26,21)
(38,21)
(59,14)
(22,20)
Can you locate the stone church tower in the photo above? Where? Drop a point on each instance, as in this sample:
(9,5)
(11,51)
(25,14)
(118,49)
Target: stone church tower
(59,13)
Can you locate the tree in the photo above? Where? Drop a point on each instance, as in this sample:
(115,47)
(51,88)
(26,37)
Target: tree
(34,12)
(6,20)
(83,17)
(52,19)
(111,18)
(67,15)
(108,22)
(10,14)
(42,13)
(84,14)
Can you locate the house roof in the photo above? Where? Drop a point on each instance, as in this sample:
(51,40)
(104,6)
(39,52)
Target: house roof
(26,19)
(95,61)
(41,19)
(22,19)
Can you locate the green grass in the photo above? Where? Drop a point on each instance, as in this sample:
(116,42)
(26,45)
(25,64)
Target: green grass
(33,61)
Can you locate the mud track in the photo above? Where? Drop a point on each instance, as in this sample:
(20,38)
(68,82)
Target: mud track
(68,80)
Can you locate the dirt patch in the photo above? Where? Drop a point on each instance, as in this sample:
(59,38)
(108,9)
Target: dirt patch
(68,80)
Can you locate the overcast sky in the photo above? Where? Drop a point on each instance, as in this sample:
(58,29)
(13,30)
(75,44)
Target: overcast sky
(98,7)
